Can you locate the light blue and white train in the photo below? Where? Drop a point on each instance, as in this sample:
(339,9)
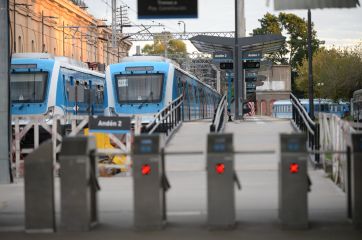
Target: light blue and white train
(143,85)
(43,84)
(283,108)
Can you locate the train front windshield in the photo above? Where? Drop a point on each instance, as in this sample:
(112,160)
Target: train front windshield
(28,87)
(139,88)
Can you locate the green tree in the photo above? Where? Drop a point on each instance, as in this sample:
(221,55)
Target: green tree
(337,73)
(295,28)
(175,48)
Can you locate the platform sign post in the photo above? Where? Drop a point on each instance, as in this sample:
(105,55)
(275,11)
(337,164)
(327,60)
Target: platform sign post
(104,124)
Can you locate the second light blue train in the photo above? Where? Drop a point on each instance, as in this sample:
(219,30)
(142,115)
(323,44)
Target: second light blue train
(143,86)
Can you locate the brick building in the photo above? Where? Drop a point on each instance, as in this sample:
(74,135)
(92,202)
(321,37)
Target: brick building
(63,28)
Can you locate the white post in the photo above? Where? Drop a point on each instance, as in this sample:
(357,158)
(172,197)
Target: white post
(241,19)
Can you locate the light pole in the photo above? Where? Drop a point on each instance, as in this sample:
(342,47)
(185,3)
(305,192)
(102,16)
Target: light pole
(42,29)
(179,22)
(319,85)
(14,19)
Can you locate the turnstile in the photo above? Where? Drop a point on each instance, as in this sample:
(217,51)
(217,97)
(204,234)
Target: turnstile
(293,182)
(39,190)
(221,177)
(79,184)
(356,180)
(148,182)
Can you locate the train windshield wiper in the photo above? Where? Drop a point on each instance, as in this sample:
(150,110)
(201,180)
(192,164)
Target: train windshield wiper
(148,98)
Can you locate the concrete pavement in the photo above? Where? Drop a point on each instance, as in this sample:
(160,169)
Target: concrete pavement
(256,204)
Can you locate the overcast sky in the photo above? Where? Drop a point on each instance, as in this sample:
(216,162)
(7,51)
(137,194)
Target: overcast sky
(339,27)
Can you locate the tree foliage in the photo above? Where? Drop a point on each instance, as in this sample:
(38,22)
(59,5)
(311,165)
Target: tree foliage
(174,47)
(295,28)
(337,73)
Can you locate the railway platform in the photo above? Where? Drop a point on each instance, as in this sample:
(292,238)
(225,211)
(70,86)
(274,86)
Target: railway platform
(256,141)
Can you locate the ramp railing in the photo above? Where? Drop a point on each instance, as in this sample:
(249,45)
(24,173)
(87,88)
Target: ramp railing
(167,120)
(220,116)
(335,137)
(304,123)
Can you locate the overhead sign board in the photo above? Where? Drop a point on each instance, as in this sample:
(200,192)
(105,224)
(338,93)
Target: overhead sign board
(105,124)
(252,55)
(250,85)
(222,57)
(167,9)
(250,74)
(226,65)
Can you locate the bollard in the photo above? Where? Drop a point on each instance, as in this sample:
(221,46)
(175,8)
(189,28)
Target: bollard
(149,183)
(293,182)
(79,184)
(39,190)
(356,180)
(220,181)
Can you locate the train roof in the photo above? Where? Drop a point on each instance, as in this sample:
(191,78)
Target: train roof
(164,60)
(64,61)
(148,59)
(50,56)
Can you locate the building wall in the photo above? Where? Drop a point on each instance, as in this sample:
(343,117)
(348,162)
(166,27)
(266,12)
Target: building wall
(79,39)
(277,86)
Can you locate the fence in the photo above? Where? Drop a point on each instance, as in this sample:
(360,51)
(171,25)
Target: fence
(56,127)
(335,143)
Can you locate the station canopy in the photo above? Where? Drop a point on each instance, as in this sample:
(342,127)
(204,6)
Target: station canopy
(264,43)
(312,4)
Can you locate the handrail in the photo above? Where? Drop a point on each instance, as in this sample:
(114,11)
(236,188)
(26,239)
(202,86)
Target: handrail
(296,102)
(167,119)
(218,121)
(303,121)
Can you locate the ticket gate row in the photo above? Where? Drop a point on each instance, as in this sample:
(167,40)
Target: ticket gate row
(79,184)
(78,189)
(294,182)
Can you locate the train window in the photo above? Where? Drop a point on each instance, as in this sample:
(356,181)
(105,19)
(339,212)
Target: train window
(139,88)
(99,94)
(28,87)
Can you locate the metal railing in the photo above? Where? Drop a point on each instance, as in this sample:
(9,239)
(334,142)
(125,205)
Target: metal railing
(220,116)
(335,137)
(167,120)
(303,122)
(53,126)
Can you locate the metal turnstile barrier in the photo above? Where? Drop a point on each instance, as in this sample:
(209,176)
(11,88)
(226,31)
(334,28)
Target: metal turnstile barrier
(221,177)
(293,182)
(149,183)
(79,184)
(356,180)
(39,190)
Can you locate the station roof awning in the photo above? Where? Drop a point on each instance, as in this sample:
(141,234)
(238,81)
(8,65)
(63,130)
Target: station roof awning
(311,4)
(264,43)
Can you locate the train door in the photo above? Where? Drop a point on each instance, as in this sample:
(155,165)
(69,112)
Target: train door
(202,104)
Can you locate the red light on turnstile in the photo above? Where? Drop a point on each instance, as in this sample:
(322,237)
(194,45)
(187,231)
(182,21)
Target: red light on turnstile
(146,169)
(294,168)
(220,168)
